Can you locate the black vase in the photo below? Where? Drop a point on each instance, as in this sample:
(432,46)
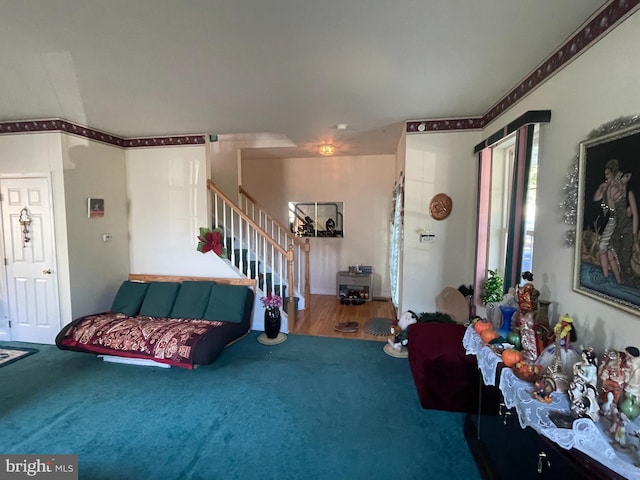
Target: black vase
(272,322)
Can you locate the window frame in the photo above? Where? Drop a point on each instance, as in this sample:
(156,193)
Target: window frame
(524,129)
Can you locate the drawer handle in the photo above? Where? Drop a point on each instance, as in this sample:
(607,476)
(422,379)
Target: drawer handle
(506,415)
(542,459)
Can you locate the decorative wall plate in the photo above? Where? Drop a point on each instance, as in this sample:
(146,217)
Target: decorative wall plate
(440,206)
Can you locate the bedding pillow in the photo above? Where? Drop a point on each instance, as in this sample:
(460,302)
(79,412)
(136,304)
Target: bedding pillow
(226,303)
(129,298)
(192,299)
(159,299)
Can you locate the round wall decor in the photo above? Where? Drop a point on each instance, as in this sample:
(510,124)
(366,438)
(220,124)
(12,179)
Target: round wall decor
(440,206)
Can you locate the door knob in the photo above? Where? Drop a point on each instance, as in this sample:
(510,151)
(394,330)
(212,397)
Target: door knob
(47,271)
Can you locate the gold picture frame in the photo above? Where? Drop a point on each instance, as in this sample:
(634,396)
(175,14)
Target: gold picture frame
(607,253)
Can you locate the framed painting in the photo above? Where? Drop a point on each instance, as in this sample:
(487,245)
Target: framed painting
(607,258)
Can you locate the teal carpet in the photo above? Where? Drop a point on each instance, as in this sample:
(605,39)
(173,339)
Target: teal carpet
(309,408)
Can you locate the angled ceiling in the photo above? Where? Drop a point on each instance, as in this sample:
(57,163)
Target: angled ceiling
(286,68)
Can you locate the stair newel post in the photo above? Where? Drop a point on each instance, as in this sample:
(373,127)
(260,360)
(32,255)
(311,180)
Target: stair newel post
(307,283)
(291,309)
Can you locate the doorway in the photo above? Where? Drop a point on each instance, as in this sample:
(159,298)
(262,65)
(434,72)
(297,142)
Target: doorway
(28,247)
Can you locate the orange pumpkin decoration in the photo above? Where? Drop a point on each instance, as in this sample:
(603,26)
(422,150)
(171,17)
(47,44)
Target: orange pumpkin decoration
(488,335)
(510,357)
(481,326)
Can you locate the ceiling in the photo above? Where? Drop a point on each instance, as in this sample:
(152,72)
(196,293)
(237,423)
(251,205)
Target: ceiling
(288,71)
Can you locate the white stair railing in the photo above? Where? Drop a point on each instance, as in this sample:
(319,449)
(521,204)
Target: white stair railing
(283,236)
(254,252)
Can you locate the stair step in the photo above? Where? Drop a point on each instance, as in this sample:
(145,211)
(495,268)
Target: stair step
(251,268)
(276,290)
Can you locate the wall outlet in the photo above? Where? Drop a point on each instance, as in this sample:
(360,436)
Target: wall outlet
(106,237)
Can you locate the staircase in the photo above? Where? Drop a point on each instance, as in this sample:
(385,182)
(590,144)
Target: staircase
(283,236)
(259,247)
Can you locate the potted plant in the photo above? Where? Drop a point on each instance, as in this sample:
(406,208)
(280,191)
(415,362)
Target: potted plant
(492,293)
(493,288)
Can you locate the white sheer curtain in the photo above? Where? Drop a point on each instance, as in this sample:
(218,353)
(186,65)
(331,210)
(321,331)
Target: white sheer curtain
(395,242)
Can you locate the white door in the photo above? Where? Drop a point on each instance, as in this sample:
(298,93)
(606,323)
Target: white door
(29,251)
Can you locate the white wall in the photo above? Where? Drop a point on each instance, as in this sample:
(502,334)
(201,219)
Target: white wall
(599,86)
(40,154)
(438,163)
(168,204)
(363,183)
(225,157)
(97,268)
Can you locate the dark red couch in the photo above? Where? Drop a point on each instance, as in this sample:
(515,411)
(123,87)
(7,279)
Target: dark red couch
(445,377)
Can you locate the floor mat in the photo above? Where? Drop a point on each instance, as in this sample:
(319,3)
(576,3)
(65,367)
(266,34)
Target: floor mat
(378,326)
(13,354)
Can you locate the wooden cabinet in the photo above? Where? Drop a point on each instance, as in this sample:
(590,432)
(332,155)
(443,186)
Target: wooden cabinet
(504,450)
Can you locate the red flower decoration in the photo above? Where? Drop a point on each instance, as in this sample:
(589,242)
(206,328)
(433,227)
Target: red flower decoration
(211,241)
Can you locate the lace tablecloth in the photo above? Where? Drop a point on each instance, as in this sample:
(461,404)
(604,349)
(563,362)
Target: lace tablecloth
(585,435)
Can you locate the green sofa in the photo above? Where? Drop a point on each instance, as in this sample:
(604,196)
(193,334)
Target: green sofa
(178,321)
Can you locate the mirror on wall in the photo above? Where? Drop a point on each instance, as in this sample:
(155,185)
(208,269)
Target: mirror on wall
(316,219)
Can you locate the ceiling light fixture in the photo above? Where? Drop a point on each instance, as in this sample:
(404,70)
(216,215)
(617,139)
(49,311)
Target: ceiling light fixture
(327,149)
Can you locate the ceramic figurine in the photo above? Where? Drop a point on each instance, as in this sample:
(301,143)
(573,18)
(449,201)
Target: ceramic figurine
(618,429)
(629,406)
(543,389)
(583,388)
(607,405)
(528,295)
(632,388)
(614,373)
(560,356)
(528,338)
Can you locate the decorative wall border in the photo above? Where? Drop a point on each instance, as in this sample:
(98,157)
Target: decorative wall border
(165,141)
(600,24)
(61,125)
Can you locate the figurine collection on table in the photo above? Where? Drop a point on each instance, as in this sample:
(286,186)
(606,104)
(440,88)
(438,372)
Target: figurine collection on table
(607,390)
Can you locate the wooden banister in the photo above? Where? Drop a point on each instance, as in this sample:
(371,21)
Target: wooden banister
(287,254)
(292,238)
(245,217)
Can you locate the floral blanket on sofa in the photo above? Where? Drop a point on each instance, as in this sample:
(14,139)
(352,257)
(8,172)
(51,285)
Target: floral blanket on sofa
(171,341)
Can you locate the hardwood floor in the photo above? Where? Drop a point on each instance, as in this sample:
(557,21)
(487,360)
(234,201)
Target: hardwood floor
(319,318)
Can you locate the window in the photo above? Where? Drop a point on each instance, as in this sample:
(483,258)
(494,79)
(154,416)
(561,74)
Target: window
(506,200)
(501,174)
(530,208)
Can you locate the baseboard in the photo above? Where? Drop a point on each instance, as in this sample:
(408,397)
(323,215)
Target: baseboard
(380,299)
